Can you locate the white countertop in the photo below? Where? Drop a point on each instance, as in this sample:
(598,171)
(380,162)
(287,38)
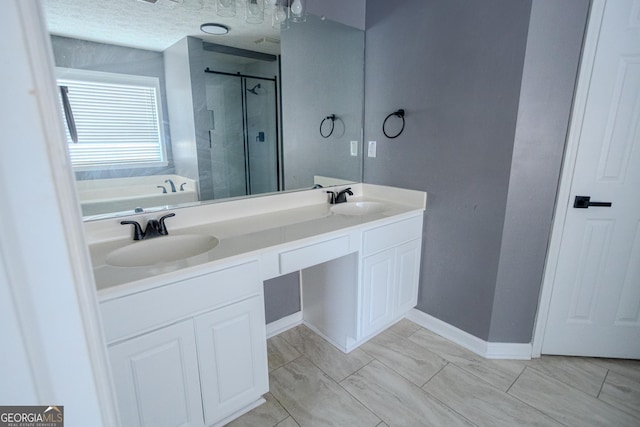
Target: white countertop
(243,230)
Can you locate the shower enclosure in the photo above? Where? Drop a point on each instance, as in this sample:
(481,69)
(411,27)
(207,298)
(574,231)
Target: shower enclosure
(243,134)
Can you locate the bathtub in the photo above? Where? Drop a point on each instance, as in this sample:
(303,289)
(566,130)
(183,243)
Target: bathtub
(100,196)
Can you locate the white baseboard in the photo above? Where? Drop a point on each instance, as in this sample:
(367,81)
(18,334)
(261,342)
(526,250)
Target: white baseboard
(505,350)
(488,350)
(281,325)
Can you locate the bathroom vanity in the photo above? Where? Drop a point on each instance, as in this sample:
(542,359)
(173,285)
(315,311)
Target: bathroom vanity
(189,333)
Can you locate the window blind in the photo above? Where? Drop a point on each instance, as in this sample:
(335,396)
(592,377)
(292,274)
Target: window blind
(117,124)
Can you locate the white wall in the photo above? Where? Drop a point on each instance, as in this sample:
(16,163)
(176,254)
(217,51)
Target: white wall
(50,332)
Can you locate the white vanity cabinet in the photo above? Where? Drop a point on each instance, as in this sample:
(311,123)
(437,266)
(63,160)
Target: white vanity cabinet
(372,282)
(191,352)
(390,273)
(156,378)
(187,341)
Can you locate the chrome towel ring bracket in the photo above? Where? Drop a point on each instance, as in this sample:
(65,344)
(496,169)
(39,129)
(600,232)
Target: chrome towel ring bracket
(332,117)
(400,114)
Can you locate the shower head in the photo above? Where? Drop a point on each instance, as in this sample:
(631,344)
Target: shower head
(256,90)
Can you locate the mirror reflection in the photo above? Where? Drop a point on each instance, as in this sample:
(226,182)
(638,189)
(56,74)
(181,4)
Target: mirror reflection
(167,115)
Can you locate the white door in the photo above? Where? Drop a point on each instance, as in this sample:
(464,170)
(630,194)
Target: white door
(378,291)
(232,354)
(407,277)
(156,378)
(595,302)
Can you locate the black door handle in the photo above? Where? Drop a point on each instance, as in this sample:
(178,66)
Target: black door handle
(583,202)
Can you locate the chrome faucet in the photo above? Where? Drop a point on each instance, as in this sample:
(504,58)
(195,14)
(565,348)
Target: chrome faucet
(341,197)
(155,228)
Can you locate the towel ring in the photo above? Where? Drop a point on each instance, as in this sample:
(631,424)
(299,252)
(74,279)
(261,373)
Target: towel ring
(400,114)
(333,122)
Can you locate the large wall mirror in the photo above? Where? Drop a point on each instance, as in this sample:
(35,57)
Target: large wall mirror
(160,114)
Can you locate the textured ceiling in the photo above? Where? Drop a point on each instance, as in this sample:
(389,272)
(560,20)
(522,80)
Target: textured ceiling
(137,23)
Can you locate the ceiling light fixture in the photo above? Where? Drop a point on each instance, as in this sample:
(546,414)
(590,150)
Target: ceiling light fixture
(255,11)
(213,28)
(286,11)
(226,7)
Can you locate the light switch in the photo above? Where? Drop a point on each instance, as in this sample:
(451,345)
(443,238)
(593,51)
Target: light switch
(372,149)
(354,148)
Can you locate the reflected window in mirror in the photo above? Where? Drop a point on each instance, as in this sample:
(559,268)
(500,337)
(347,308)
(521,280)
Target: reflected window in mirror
(117,119)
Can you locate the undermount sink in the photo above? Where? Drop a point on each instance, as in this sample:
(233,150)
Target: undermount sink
(161,250)
(357,208)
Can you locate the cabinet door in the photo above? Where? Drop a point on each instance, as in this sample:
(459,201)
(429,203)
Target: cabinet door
(156,378)
(232,353)
(407,276)
(378,291)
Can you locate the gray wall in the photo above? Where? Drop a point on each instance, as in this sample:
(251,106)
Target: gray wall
(455,66)
(488,101)
(200,117)
(351,12)
(322,74)
(551,64)
(181,114)
(281,296)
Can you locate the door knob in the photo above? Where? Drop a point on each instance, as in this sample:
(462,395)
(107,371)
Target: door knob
(583,202)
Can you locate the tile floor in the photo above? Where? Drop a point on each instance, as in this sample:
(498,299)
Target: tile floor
(408,376)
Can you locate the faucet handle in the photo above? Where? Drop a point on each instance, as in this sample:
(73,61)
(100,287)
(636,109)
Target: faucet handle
(163,228)
(332,197)
(137,229)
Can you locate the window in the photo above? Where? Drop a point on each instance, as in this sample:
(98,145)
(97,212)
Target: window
(118,119)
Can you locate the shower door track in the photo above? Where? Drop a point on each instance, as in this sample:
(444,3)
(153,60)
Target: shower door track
(271,79)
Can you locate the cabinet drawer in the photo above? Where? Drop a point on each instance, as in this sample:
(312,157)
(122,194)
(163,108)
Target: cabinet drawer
(386,236)
(317,253)
(133,314)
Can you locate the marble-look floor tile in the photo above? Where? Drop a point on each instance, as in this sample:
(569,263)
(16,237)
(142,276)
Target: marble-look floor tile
(397,401)
(622,392)
(577,372)
(628,368)
(565,403)
(288,422)
(332,361)
(405,328)
(269,413)
(280,352)
(500,373)
(314,399)
(482,403)
(411,360)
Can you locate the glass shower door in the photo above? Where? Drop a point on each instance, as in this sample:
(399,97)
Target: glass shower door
(243,134)
(260,96)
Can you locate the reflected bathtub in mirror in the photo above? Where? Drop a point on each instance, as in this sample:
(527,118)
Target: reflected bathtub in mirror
(102,196)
